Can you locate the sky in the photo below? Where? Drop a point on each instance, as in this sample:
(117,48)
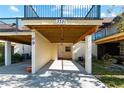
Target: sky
(18,11)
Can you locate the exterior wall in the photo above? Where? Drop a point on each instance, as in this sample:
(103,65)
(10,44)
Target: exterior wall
(41,51)
(54,55)
(79,50)
(19,48)
(22,49)
(61,50)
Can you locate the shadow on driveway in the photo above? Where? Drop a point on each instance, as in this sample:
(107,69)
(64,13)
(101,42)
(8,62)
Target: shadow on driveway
(53,75)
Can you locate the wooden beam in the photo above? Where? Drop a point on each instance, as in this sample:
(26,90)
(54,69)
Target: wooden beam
(11,40)
(43,30)
(17,39)
(91,31)
(57,28)
(15,33)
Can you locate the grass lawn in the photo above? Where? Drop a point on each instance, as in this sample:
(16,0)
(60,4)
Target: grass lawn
(112,79)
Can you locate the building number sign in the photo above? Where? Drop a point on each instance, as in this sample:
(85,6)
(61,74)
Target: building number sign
(60,21)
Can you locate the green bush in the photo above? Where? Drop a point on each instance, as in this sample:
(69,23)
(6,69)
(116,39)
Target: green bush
(107,59)
(1,60)
(16,58)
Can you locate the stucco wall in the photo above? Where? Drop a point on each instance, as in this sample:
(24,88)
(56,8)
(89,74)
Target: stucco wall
(22,49)
(41,51)
(79,50)
(54,51)
(61,50)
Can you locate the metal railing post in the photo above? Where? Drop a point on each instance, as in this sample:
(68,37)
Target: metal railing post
(98,11)
(25,10)
(61,11)
(17,24)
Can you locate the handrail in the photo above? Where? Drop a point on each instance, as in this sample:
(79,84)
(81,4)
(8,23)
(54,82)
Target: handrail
(34,11)
(6,24)
(89,12)
(63,11)
(105,32)
(13,23)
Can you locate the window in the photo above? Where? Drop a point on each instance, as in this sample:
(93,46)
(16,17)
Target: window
(67,49)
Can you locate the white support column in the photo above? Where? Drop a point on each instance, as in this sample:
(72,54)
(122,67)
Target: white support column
(7,53)
(88,54)
(33,54)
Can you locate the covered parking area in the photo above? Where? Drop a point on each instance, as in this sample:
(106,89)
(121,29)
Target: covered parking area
(113,42)
(49,33)
(17,37)
(44,35)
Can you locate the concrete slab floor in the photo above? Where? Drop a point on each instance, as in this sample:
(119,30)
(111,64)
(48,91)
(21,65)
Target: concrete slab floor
(16,69)
(57,74)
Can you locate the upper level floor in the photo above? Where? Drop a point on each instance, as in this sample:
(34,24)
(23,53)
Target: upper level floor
(70,14)
(61,23)
(106,32)
(110,32)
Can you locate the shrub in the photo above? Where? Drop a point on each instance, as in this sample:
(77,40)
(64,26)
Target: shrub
(16,58)
(107,59)
(1,60)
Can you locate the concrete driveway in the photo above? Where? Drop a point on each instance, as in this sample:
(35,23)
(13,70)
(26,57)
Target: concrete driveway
(57,74)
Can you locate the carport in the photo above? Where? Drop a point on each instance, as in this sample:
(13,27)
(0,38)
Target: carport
(44,35)
(48,33)
(44,38)
(17,37)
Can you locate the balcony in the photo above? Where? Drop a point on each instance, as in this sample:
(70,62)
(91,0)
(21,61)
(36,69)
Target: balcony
(106,32)
(12,24)
(50,12)
(62,11)
(109,34)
